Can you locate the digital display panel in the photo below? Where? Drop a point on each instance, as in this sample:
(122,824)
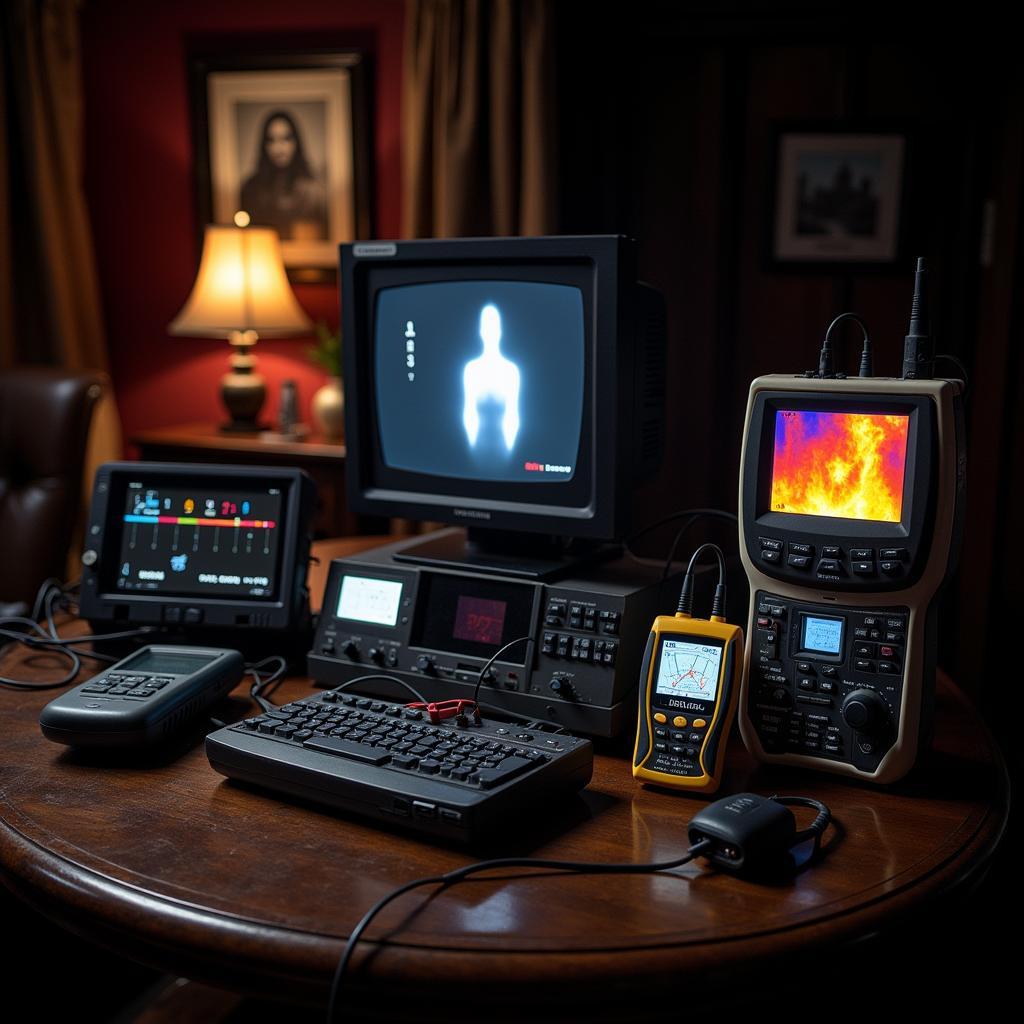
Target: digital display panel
(364,599)
(171,663)
(821,634)
(838,464)
(479,620)
(480,380)
(688,669)
(200,541)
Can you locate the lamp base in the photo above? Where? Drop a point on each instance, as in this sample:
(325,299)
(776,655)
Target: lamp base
(243,395)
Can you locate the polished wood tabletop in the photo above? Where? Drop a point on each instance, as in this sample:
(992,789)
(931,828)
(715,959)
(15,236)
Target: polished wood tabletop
(168,863)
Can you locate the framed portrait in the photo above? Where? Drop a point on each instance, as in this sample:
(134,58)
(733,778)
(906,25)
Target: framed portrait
(838,198)
(285,139)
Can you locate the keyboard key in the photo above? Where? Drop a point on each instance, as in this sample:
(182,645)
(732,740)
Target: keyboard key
(508,769)
(346,748)
(404,760)
(429,766)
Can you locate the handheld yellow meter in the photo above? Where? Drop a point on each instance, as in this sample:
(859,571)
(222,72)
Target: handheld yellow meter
(689,683)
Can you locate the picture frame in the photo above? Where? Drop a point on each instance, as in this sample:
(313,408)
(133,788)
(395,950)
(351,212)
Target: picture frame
(286,138)
(837,198)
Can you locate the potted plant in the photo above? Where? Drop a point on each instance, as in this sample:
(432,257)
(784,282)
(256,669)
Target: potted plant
(328,406)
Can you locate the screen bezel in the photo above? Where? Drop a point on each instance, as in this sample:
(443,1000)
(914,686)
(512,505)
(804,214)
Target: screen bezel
(917,476)
(593,503)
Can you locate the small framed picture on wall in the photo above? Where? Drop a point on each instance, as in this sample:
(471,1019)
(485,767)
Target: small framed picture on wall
(284,141)
(838,198)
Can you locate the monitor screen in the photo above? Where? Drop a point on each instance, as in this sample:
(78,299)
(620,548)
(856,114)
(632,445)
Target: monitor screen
(688,669)
(839,464)
(199,539)
(480,380)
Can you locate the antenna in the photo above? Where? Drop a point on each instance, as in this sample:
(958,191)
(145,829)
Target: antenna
(918,348)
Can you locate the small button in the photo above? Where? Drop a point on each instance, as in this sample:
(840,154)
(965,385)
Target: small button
(831,551)
(863,568)
(830,567)
(862,554)
(680,722)
(699,723)
(826,686)
(801,549)
(864,650)
(806,684)
(893,554)
(770,556)
(890,568)
(828,671)
(806,667)
(799,561)
(770,544)
(896,622)
(862,665)
(861,633)
(695,737)
(870,620)
(193,616)
(889,667)
(893,637)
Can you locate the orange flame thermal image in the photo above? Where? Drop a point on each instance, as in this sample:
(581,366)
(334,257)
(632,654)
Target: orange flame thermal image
(844,465)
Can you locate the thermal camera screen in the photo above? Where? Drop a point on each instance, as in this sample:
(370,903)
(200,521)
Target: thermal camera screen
(481,380)
(838,464)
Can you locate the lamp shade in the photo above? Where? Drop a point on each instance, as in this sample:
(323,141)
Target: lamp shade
(241,286)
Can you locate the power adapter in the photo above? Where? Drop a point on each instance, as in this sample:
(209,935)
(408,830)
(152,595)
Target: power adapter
(751,834)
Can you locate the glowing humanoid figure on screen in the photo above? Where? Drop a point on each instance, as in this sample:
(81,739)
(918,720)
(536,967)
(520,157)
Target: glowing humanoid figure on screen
(491,377)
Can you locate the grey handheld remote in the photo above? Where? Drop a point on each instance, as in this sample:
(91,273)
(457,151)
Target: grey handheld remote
(144,698)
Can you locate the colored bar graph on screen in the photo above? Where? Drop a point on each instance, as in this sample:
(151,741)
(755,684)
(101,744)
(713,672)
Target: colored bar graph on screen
(258,524)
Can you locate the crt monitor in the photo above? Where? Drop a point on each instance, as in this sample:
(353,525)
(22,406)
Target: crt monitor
(508,384)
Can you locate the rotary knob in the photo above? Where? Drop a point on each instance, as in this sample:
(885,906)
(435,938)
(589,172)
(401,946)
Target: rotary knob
(561,687)
(351,650)
(865,711)
(376,655)
(425,665)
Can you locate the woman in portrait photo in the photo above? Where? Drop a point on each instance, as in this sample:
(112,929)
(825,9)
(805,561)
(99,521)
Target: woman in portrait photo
(284,193)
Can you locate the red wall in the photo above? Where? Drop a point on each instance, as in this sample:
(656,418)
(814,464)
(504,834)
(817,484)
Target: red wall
(140,188)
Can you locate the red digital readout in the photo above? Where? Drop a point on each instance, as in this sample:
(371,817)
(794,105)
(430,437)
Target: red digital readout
(479,620)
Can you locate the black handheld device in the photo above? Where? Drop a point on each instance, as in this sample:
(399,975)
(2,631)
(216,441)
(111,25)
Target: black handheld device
(142,699)
(199,548)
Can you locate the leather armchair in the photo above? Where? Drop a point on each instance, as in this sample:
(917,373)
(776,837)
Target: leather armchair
(44,425)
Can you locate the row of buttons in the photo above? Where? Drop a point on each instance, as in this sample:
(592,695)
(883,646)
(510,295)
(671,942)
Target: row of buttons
(680,721)
(186,616)
(581,617)
(560,645)
(126,685)
(862,560)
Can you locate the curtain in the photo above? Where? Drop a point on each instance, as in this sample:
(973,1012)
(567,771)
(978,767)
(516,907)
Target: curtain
(49,289)
(478,140)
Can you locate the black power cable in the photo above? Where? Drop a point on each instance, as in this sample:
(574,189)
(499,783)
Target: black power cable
(460,874)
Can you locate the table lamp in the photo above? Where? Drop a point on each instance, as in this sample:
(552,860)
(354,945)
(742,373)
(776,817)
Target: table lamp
(241,292)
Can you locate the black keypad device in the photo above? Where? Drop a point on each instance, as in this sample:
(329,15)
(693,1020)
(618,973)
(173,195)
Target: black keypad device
(823,681)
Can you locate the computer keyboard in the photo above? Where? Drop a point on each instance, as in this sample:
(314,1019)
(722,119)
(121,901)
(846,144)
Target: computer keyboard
(389,762)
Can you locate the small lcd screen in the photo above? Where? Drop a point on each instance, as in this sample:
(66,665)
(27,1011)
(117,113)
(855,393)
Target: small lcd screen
(838,464)
(171,663)
(364,599)
(472,616)
(825,636)
(480,380)
(201,541)
(479,620)
(688,669)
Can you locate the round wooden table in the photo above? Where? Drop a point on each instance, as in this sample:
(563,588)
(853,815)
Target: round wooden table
(170,864)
